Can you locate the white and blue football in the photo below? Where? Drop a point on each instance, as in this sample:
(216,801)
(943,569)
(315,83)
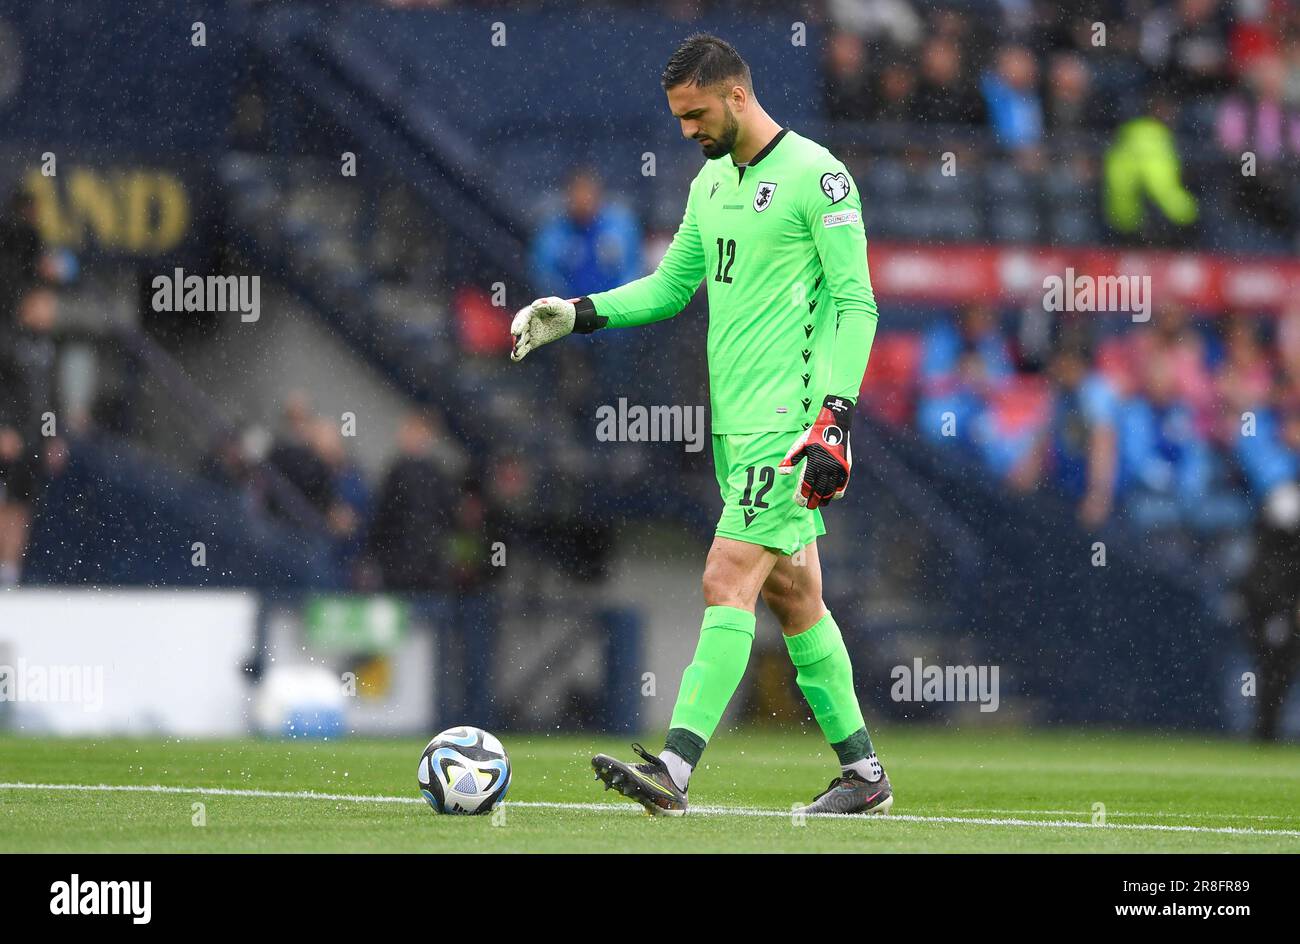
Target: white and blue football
(464,770)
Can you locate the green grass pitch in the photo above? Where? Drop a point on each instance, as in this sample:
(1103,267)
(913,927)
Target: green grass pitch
(956,792)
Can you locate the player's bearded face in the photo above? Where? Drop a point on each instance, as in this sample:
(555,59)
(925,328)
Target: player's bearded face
(724,142)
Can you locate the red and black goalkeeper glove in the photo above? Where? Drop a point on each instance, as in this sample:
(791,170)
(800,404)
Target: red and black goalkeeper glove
(825,445)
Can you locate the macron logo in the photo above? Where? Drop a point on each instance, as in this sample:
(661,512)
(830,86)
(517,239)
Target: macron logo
(76,897)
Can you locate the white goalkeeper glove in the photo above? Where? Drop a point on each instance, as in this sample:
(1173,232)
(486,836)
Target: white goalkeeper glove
(545,320)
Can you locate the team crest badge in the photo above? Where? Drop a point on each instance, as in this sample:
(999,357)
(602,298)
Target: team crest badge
(763,196)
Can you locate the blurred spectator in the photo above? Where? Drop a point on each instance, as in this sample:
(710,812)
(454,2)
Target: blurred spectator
(1172,335)
(590,247)
(471,641)
(894,92)
(469,544)
(512,492)
(410,530)
(27,357)
(1271,586)
(1011,94)
(1253,33)
(1291,52)
(1185,43)
(1244,381)
(1120,77)
(1288,356)
(1071,105)
(1261,122)
(944,96)
(1141,167)
(296,456)
(1146,425)
(1270,462)
(17,487)
(976,332)
(20,255)
(1166,464)
(1269,456)
(960,364)
(974,36)
(349,494)
(846,84)
(1271,592)
(1083,449)
(1010,428)
(232,464)
(1159,75)
(893,21)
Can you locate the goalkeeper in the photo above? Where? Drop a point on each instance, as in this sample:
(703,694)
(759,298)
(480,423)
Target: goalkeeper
(773,226)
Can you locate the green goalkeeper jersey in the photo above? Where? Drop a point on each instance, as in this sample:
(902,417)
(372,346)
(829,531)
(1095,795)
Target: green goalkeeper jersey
(780,244)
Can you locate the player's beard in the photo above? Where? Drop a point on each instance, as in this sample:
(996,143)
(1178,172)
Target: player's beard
(724,143)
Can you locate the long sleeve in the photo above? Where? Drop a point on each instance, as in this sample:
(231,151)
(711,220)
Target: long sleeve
(841,241)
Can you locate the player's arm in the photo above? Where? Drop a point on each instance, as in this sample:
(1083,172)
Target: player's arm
(833,213)
(841,240)
(659,295)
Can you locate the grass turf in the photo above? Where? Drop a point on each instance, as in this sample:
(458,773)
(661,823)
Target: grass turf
(1006,786)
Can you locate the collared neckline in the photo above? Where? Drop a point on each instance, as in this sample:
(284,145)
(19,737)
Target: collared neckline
(763,152)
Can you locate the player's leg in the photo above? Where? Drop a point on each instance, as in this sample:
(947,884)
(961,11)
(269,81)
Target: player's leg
(793,592)
(733,574)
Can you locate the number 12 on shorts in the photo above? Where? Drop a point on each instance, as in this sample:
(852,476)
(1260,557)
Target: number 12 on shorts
(766,477)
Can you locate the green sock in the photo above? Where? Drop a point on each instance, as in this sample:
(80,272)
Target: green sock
(854,748)
(689,747)
(708,683)
(826,678)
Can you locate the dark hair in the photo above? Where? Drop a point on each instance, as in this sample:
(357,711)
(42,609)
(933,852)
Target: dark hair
(705,60)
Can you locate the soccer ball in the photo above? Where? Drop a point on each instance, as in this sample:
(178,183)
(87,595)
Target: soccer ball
(464,770)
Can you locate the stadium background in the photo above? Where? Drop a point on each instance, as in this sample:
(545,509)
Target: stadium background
(354,463)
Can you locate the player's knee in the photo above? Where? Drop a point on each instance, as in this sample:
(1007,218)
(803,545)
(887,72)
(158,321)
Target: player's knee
(796,609)
(720,588)
(780,601)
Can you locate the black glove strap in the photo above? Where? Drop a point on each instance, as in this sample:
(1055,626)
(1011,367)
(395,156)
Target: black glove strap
(841,407)
(585,318)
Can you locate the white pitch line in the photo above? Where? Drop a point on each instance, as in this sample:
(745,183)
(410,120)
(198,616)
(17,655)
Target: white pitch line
(1161,814)
(628,808)
(212,791)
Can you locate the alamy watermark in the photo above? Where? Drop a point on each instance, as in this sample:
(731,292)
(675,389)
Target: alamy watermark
(67,684)
(636,423)
(1098,293)
(946,683)
(77,897)
(179,292)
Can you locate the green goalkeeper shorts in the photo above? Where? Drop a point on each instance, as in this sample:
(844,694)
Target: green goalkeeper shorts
(758,504)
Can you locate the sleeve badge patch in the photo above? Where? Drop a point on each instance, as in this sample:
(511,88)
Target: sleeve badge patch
(842,218)
(835,186)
